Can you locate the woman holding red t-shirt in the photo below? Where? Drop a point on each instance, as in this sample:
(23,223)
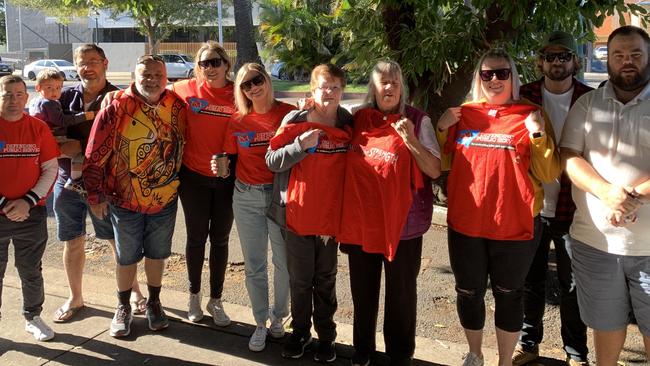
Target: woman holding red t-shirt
(308,156)
(250,129)
(503,149)
(206,199)
(388,204)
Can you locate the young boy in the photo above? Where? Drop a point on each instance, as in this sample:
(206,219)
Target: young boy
(28,162)
(47,108)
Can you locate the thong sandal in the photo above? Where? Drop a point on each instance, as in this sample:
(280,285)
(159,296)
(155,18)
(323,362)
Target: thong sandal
(139,307)
(62,316)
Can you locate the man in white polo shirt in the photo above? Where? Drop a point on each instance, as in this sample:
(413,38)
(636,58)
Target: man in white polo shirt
(606,150)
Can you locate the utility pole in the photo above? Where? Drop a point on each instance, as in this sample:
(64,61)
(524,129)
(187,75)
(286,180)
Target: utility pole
(220,21)
(20,32)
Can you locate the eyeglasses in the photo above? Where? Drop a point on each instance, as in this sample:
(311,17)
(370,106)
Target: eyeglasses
(146,58)
(487,75)
(562,56)
(213,62)
(333,89)
(89,63)
(257,81)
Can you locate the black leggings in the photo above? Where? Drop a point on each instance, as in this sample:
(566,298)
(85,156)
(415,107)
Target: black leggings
(207,205)
(506,262)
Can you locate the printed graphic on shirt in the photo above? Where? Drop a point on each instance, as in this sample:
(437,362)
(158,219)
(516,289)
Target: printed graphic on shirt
(250,139)
(18,150)
(202,106)
(325,146)
(377,154)
(475,138)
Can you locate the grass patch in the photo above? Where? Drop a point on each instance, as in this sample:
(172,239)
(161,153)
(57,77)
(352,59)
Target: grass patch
(293,86)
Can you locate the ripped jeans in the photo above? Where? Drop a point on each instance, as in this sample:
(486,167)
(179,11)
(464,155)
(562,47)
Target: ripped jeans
(505,262)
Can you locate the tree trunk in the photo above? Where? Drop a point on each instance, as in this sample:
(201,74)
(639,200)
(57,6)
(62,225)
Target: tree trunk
(245,34)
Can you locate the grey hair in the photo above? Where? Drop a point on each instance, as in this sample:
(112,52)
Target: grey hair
(477,92)
(392,69)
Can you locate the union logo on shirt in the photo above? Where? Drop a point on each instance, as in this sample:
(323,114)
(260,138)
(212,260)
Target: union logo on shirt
(202,106)
(474,138)
(197,104)
(249,139)
(465,137)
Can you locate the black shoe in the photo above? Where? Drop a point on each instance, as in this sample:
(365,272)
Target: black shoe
(360,359)
(295,345)
(326,352)
(156,316)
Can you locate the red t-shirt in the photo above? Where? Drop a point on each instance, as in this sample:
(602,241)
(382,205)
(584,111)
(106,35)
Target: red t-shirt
(381,176)
(24,145)
(489,191)
(315,191)
(209,110)
(249,137)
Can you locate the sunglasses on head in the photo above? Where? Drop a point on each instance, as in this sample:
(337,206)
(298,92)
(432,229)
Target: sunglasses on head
(248,84)
(562,56)
(487,75)
(213,62)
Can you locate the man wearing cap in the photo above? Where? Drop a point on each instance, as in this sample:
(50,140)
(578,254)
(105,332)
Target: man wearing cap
(605,147)
(131,175)
(556,92)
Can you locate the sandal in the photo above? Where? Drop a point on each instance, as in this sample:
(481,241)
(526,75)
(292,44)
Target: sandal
(62,316)
(139,307)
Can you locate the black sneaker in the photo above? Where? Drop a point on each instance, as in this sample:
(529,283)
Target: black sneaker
(326,352)
(156,316)
(360,359)
(295,345)
(121,323)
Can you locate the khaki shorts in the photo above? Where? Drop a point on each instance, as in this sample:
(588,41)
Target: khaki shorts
(611,287)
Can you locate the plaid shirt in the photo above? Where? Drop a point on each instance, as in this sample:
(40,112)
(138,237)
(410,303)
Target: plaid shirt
(533,92)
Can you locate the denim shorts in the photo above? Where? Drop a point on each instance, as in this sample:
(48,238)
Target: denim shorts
(139,235)
(70,210)
(611,287)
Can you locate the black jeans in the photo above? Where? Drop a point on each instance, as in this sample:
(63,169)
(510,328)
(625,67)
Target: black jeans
(400,302)
(207,205)
(312,265)
(29,238)
(506,262)
(574,331)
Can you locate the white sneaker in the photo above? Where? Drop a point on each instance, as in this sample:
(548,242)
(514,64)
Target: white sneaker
(277,326)
(219,317)
(39,329)
(194,312)
(471,359)
(258,339)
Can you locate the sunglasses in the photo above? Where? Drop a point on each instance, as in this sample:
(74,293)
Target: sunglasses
(487,75)
(562,56)
(248,84)
(213,62)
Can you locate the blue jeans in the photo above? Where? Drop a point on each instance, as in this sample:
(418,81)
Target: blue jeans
(70,209)
(574,331)
(250,203)
(139,235)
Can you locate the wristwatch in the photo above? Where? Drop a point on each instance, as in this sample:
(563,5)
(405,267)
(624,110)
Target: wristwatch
(537,134)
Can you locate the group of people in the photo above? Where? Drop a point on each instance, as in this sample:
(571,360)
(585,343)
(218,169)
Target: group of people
(319,178)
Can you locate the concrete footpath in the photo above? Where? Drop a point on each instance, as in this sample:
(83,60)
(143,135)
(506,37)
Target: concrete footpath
(85,341)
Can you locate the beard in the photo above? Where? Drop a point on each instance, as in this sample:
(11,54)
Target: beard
(629,83)
(558,73)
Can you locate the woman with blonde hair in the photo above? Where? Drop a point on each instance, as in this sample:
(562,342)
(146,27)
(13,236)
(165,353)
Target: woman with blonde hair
(502,150)
(257,119)
(206,198)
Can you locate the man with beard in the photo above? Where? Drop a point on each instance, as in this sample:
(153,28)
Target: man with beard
(556,92)
(70,205)
(606,150)
(131,174)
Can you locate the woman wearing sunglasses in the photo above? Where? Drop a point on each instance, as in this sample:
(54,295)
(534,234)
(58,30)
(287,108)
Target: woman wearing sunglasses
(255,123)
(502,149)
(207,199)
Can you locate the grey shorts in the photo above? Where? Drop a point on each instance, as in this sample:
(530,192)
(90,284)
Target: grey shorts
(611,287)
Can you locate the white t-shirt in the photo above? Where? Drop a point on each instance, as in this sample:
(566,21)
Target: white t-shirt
(615,139)
(557,107)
